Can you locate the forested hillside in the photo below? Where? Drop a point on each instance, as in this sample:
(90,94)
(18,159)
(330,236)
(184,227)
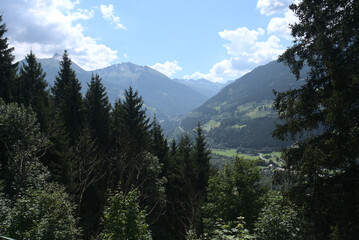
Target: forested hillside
(241,115)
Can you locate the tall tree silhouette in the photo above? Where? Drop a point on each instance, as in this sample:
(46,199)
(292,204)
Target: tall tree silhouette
(68,99)
(32,88)
(7,67)
(323,166)
(97,111)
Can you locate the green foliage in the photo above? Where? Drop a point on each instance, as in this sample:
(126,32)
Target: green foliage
(7,67)
(68,99)
(279,220)
(134,124)
(159,145)
(21,147)
(234,230)
(40,214)
(202,161)
(123,219)
(323,116)
(241,114)
(97,111)
(235,192)
(31,89)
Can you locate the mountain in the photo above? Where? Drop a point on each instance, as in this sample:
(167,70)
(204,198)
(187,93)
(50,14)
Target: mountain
(162,96)
(51,67)
(159,92)
(241,114)
(204,86)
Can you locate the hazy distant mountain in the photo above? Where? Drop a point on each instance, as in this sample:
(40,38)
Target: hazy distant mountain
(52,66)
(162,96)
(204,86)
(158,91)
(241,114)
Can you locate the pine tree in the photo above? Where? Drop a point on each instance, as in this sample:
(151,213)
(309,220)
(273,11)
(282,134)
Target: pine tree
(97,110)
(7,67)
(202,161)
(68,99)
(32,89)
(159,144)
(323,165)
(134,124)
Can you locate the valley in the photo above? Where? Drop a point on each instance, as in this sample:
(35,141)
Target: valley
(236,115)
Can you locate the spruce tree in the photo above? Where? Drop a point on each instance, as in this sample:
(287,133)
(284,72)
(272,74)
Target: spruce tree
(32,89)
(131,136)
(97,111)
(7,67)
(202,161)
(134,124)
(323,116)
(68,99)
(159,145)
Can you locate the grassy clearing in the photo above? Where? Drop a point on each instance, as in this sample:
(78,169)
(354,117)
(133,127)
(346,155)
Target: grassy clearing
(239,126)
(219,107)
(244,108)
(274,156)
(211,124)
(225,152)
(260,111)
(232,153)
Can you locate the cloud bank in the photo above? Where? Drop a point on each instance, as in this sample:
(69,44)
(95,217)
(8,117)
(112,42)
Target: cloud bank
(248,48)
(168,68)
(48,27)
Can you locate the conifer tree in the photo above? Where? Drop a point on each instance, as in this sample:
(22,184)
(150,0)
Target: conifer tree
(134,124)
(324,113)
(32,89)
(68,99)
(159,144)
(131,135)
(7,67)
(97,110)
(202,158)
(185,153)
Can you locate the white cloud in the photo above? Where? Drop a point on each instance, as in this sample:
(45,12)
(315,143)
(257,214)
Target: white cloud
(168,68)
(48,27)
(280,26)
(270,7)
(225,69)
(240,39)
(108,14)
(246,50)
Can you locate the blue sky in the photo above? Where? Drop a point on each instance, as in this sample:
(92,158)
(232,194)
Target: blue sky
(218,40)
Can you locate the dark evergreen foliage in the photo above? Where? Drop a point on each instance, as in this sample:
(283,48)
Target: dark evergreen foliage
(97,111)
(202,161)
(323,165)
(32,89)
(7,67)
(68,99)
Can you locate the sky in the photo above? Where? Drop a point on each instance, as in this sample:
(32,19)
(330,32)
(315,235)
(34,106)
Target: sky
(218,40)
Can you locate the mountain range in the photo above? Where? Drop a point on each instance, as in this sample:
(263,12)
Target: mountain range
(166,98)
(241,114)
(236,115)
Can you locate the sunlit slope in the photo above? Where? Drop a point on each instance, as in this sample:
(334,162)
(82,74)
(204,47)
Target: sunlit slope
(241,114)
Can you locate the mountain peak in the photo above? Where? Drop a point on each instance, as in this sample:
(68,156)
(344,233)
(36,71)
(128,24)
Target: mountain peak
(57,57)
